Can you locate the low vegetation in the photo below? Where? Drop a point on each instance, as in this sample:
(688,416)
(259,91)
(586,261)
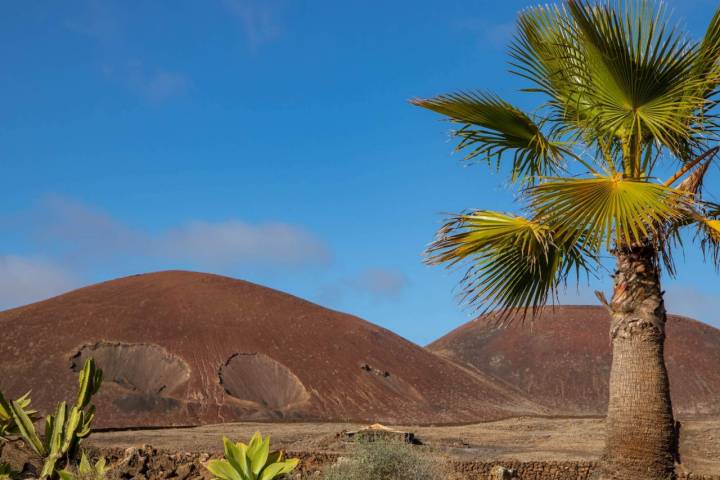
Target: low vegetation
(253,461)
(383,460)
(59,446)
(8,427)
(86,470)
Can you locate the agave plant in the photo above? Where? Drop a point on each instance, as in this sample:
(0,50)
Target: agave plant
(86,470)
(253,461)
(8,427)
(66,428)
(612,160)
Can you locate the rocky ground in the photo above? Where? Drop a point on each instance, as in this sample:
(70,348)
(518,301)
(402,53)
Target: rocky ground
(537,448)
(526,439)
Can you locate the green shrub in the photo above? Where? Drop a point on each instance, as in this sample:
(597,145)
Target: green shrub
(386,460)
(253,461)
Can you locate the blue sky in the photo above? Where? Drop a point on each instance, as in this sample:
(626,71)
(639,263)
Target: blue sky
(267,140)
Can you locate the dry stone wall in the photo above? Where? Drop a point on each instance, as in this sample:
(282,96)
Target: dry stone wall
(148,463)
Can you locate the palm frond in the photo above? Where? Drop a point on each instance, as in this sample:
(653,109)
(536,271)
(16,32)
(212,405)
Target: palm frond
(618,71)
(707,64)
(693,183)
(607,210)
(621,84)
(642,71)
(493,127)
(697,168)
(513,263)
(708,233)
(546,51)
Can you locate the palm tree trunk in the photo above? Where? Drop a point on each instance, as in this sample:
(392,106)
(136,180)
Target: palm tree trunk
(640,442)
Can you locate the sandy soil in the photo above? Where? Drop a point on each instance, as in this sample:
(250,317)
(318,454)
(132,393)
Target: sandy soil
(523,439)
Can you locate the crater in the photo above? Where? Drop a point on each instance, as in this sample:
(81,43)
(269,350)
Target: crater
(258,378)
(140,367)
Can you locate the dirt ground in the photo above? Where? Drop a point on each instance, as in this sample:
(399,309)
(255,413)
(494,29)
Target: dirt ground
(523,439)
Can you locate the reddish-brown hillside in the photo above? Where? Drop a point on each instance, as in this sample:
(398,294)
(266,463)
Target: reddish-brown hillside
(189,348)
(562,359)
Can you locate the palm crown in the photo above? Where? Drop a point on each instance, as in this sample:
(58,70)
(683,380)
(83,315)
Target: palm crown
(626,98)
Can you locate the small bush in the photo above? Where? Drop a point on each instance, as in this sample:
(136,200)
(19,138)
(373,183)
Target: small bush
(387,461)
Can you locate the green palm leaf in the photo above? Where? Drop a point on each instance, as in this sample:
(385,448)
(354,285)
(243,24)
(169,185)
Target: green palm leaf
(624,92)
(513,262)
(602,211)
(493,128)
(707,64)
(642,71)
(708,233)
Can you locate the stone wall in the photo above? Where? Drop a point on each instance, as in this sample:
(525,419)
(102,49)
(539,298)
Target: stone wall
(527,470)
(148,463)
(542,471)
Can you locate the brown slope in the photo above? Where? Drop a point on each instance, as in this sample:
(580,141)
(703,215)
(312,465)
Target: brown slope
(562,359)
(188,348)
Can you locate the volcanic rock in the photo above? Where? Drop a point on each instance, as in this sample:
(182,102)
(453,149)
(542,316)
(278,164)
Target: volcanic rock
(562,359)
(182,348)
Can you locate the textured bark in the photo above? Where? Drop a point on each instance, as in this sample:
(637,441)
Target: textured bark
(640,426)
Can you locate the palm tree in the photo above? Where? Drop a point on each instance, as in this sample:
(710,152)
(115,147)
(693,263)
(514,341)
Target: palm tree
(627,101)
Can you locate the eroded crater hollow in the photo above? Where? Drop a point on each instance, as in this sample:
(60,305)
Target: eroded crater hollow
(260,379)
(146,368)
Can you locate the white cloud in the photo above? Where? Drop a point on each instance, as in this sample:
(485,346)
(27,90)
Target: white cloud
(379,282)
(496,35)
(24,280)
(105,22)
(84,235)
(679,299)
(156,85)
(100,20)
(693,303)
(239,242)
(160,85)
(373,283)
(258,18)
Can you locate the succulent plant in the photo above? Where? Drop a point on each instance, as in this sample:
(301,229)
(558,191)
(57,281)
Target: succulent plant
(253,461)
(66,428)
(8,427)
(85,471)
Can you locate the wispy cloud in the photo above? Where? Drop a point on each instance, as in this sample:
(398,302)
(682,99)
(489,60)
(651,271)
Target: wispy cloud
(377,284)
(25,279)
(155,85)
(679,299)
(694,303)
(104,21)
(81,234)
(258,20)
(100,20)
(495,35)
(161,85)
(239,242)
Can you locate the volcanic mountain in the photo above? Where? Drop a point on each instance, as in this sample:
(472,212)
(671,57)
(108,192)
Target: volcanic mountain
(562,359)
(182,348)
